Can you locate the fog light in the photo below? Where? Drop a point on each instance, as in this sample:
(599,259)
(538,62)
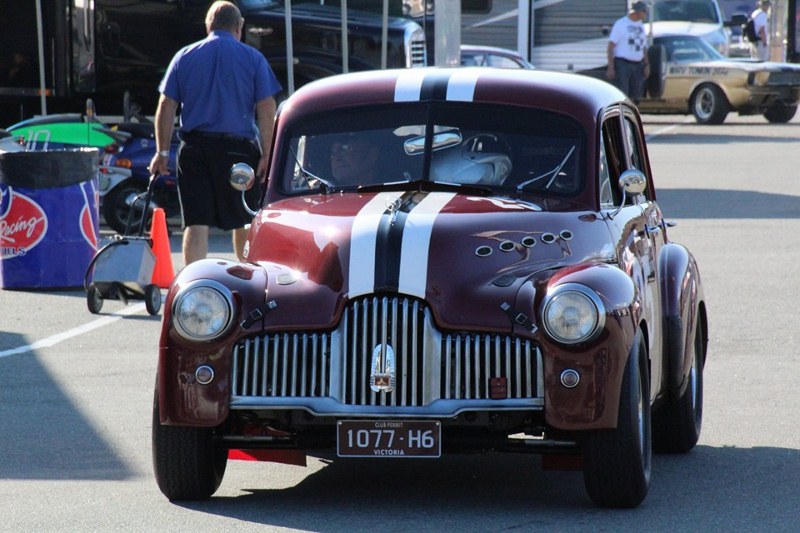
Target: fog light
(570,378)
(205,374)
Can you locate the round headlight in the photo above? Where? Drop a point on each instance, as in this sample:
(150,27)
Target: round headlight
(203,310)
(573,313)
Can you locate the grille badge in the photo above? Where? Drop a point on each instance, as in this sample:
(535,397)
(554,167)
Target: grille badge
(382,369)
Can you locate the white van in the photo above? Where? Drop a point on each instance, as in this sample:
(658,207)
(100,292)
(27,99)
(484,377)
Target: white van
(702,18)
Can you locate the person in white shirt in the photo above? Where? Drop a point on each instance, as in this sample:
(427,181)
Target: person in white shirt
(628,67)
(760,48)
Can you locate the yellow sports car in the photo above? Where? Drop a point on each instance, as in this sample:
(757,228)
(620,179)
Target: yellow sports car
(687,75)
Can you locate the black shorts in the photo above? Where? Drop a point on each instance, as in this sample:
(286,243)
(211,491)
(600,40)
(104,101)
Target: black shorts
(204,164)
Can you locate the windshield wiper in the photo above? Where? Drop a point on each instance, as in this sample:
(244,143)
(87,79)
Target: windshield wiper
(553,173)
(310,178)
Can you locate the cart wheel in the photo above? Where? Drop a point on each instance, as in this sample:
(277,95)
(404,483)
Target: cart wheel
(152,299)
(94,300)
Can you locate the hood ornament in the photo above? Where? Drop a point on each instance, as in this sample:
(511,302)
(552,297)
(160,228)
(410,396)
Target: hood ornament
(382,369)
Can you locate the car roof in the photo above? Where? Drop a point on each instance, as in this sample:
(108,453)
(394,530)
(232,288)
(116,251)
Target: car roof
(579,96)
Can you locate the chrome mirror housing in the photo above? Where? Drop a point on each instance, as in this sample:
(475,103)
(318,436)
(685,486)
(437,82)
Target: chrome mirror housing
(242,177)
(633,182)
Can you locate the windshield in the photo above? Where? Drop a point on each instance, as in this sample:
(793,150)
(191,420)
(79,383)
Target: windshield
(685,10)
(497,148)
(687,49)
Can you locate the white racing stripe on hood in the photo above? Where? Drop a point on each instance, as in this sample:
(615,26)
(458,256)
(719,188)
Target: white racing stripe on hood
(363,237)
(415,248)
(416,243)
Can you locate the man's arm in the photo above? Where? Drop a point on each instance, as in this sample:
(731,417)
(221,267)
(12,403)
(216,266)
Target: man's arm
(165,123)
(265,115)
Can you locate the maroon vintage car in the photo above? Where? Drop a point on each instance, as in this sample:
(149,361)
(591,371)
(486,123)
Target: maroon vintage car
(446,260)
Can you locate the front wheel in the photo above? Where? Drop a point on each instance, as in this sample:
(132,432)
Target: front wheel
(617,462)
(780,113)
(709,105)
(188,463)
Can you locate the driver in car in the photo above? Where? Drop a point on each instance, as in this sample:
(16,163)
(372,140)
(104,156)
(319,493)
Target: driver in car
(354,160)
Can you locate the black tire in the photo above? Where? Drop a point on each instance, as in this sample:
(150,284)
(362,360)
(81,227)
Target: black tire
(152,299)
(617,462)
(117,206)
(780,113)
(677,424)
(187,463)
(709,105)
(94,300)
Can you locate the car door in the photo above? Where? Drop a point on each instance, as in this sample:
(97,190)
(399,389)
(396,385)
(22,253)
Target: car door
(635,222)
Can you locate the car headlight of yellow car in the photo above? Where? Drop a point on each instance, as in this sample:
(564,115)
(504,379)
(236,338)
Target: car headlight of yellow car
(573,313)
(203,310)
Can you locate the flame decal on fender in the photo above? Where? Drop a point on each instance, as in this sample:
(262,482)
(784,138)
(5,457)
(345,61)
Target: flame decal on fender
(390,242)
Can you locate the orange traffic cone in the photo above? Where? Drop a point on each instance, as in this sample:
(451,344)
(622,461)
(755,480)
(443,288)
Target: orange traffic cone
(163,271)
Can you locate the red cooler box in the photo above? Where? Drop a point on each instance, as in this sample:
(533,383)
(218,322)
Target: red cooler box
(49,218)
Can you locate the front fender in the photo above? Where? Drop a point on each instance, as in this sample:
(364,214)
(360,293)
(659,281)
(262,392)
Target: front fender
(681,297)
(594,403)
(182,400)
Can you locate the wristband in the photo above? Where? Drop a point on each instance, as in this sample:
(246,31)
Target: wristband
(164,153)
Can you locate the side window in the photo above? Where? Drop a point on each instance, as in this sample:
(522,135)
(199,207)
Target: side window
(606,197)
(612,162)
(636,150)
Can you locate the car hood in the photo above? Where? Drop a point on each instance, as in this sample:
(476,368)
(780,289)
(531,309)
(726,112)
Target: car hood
(465,255)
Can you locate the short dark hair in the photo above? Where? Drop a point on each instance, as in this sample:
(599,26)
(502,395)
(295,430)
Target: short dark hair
(223,15)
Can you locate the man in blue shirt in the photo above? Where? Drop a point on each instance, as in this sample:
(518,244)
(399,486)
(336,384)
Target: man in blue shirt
(225,90)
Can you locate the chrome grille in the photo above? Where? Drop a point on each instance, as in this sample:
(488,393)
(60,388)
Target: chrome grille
(418,54)
(332,369)
(471,360)
(286,364)
(399,323)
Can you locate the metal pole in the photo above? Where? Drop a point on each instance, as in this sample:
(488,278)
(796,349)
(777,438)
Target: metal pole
(289,49)
(40,38)
(345,47)
(524,29)
(385,34)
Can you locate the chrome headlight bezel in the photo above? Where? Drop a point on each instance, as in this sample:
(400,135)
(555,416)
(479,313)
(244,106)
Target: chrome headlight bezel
(556,303)
(221,302)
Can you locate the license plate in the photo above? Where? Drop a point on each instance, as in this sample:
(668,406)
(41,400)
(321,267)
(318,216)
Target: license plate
(389,438)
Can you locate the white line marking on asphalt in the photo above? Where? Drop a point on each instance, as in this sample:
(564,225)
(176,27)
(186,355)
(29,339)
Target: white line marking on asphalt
(667,129)
(74,332)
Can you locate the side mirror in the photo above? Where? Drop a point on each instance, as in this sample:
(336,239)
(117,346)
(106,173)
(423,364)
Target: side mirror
(242,177)
(633,182)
